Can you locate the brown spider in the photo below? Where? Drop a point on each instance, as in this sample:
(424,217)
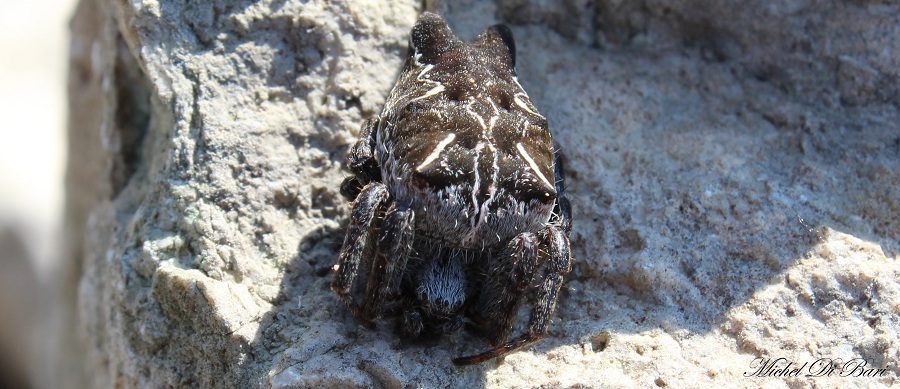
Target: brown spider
(459,207)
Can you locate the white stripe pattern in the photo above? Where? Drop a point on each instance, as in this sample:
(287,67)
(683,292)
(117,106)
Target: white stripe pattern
(436,152)
(532,164)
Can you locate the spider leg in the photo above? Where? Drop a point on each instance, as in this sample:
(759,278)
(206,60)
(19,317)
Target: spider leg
(393,247)
(412,323)
(351,187)
(358,245)
(560,262)
(361,161)
(562,211)
(452,326)
(496,307)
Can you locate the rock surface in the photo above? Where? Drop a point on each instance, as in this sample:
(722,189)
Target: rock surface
(734,171)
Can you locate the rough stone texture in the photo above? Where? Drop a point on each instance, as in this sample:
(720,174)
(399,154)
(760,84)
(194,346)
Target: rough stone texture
(734,170)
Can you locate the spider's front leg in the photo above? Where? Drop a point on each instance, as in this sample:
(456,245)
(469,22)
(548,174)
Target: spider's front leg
(361,161)
(562,211)
(393,247)
(557,244)
(505,281)
(358,245)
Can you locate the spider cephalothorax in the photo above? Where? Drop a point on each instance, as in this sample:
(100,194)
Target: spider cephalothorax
(458,197)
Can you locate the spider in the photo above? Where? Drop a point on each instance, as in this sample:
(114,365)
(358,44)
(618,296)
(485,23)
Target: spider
(459,210)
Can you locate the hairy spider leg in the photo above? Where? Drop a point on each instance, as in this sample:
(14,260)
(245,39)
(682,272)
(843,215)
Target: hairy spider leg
(361,161)
(362,156)
(542,311)
(562,211)
(412,323)
(350,188)
(502,293)
(394,245)
(413,326)
(358,245)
